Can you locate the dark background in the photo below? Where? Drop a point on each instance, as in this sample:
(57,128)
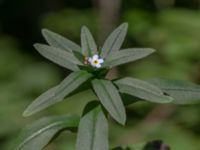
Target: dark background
(170,26)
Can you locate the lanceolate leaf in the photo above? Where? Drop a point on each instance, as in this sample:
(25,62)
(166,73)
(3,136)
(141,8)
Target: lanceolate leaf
(110,98)
(58,56)
(114,41)
(182,92)
(38,135)
(142,89)
(59,41)
(93,131)
(71,82)
(88,44)
(58,93)
(126,56)
(45,101)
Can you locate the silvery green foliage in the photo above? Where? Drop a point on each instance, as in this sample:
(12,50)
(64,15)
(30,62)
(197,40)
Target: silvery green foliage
(90,65)
(182,92)
(38,135)
(93,131)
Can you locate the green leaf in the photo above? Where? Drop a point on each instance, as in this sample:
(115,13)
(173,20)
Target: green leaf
(39,134)
(182,92)
(72,82)
(93,131)
(58,56)
(114,41)
(59,41)
(90,105)
(43,101)
(126,56)
(142,89)
(88,44)
(57,94)
(110,98)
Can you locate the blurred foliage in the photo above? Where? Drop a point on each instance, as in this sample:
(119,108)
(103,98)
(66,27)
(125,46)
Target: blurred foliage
(174,32)
(70,21)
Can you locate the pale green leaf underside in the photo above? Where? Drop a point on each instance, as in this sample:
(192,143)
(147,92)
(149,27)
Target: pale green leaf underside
(57,94)
(93,131)
(88,44)
(182,92)
(126,56)
(142,89)
(59,41)
(39,134)
(114,41)
(43,101)
(71,82)
(40,104)
(58,56)
(110,99)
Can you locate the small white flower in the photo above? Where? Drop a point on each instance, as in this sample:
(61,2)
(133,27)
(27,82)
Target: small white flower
(95,61)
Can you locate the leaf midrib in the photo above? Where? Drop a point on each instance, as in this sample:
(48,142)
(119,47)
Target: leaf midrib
(36,134)
(181,89)
(72,60)
(60,43)
(102,85)
(120,56)
(54,96)
(93,131)
(87,43)
(117,37)
(75,79)
(154,93)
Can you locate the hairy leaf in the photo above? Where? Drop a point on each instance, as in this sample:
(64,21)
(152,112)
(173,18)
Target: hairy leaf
(110,98)
(93,131)
(39,134)
(126,56)
(182,92)
(57,94)
(114,41)
(71,82)
(88,44)
(58,56)
(142,89)
(59,41)
(43,101)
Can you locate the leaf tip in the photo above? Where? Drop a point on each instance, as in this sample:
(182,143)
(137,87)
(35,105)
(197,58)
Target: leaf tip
(36,45)
(170,99)
(125,24)
(122,118)
(122,121)
(44,30)
(84,28)
(152,50)
(26,113)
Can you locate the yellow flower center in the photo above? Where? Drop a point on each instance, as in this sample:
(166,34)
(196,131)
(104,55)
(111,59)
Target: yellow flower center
(95,62)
